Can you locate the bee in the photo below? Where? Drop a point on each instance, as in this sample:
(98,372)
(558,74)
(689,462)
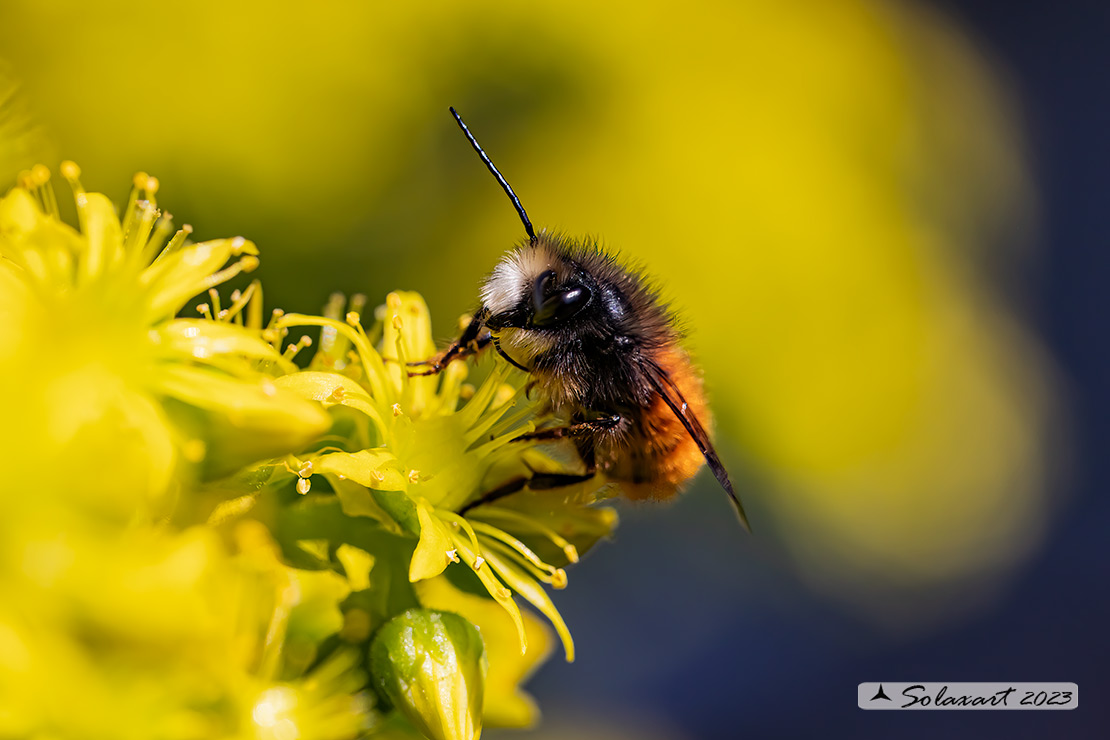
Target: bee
(603,352)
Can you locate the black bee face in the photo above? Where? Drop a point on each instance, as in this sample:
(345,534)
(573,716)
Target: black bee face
(554,297)
(537,289)
(542,299)
(553,305)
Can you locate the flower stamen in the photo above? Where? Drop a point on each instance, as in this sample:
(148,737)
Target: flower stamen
(214,296)
(134,198)
(557,577)
(519,547)
(137,238)
(452,518)
(292,349)
(71,172)
(527,524)
(174,244)
(44,190)
(369,357)
(163,229)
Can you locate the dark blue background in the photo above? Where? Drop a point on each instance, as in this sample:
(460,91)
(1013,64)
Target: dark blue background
(763,641)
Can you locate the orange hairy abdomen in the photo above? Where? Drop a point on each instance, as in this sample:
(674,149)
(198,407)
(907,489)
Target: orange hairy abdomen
(670,455)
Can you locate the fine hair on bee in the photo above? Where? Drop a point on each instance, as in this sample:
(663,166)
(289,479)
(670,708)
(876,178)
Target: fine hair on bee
(603,352)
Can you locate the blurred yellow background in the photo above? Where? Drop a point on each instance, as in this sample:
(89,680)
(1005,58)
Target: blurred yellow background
(823,189)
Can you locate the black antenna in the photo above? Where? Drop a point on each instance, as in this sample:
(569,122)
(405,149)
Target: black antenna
(504,183)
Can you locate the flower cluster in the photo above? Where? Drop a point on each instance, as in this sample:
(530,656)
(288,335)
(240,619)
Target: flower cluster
(208,533)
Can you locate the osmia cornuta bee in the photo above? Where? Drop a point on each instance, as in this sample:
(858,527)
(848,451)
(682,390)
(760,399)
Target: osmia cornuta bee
(603,353)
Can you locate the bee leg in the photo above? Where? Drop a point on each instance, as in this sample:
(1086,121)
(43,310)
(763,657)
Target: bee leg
(601,424)
(470,342)
(538,482)
(503,353)
(456,351)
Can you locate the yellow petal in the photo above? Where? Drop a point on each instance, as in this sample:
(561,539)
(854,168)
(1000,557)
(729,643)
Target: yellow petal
(376,469)
(178,276)
(202,339)
(357,500)
(500,594)
(101,442)
(333,389)
(527,586)
(102,232)
(435,548)
(16,310)
(43,247)
(407,336)
(548,522)
(356,564)
(316,613)
(18,213)
(240,421)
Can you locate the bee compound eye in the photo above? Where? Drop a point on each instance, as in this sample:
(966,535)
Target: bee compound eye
(539,289)
(561,306)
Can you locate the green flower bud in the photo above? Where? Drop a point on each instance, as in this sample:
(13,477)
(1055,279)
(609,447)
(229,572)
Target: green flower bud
(432,666)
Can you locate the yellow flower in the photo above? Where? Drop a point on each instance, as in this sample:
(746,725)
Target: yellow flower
(170,634)
(414,458)
(112,623)
(404,457)
(105,392)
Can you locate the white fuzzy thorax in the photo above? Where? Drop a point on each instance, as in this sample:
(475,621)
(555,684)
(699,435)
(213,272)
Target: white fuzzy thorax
(513,277)
(525,345)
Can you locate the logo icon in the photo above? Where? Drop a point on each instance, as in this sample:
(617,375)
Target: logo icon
(880,694)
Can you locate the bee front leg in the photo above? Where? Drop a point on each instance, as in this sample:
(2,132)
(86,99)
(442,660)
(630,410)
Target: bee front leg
(457,351)
(470,342)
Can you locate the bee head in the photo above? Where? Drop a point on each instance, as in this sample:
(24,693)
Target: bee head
(542,295)
(537,289)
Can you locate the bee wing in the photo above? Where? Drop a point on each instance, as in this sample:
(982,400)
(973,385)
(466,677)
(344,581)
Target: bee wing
(674,399)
